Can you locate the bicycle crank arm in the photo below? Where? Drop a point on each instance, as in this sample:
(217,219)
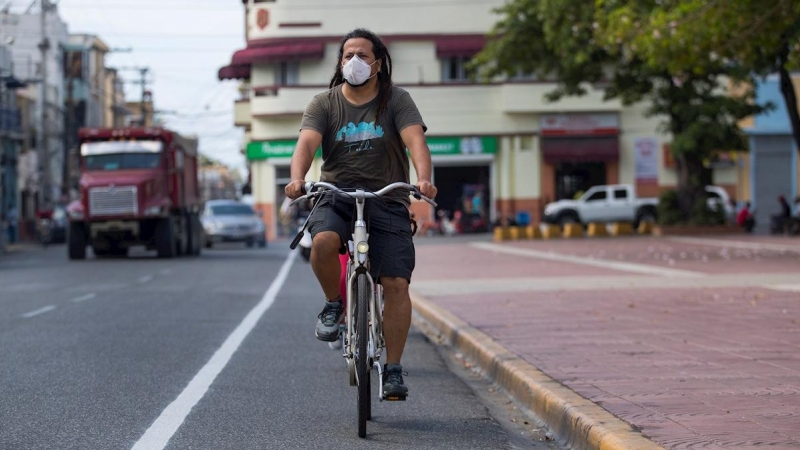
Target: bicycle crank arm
(379,368)
(351,371)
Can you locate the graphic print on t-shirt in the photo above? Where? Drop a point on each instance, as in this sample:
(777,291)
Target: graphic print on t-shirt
(357,138)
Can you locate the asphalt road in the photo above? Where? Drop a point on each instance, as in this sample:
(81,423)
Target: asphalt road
(215,352)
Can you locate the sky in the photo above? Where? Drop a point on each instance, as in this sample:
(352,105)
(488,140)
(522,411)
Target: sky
(183,43)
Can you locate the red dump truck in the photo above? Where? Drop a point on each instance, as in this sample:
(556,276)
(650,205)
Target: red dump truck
(138,187)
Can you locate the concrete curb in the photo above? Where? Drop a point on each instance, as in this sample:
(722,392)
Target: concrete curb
(17,248)
(576,421)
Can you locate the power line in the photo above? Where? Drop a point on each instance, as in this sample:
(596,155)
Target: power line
(157,6)
(144,35)
(199,115)
(185,50)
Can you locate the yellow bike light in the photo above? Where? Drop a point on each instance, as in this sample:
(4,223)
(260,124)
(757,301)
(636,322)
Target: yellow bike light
(362,247)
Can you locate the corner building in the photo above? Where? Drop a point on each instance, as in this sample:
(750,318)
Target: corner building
(500,138)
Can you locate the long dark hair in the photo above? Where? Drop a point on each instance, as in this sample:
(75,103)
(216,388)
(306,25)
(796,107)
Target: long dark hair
(385,74)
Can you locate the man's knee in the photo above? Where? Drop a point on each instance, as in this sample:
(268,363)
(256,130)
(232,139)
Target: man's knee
(394,285)
(326,243)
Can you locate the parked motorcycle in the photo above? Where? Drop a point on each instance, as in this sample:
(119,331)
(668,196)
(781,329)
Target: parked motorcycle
(44,231)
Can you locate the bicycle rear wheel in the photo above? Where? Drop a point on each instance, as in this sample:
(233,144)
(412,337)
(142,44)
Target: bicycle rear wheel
(362,359)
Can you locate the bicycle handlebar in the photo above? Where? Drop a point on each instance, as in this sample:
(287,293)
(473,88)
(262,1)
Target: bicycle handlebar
(311,189)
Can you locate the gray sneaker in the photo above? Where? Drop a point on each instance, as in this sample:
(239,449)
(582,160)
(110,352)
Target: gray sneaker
(328,322)
(393,387)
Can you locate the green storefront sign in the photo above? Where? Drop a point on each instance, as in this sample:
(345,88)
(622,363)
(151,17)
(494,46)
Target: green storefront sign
(270,149)
(467,145)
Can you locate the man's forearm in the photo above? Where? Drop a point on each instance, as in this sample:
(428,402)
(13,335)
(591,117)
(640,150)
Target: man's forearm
(421,158)
(301,162)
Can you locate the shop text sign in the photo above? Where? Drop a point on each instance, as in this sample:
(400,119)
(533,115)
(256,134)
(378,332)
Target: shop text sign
(466,145)
(578,124)
(646,152)
(270,149)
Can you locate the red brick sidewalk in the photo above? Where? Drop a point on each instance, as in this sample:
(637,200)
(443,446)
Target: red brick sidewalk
(711,361)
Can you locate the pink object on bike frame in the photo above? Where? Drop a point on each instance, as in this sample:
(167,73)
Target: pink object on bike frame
(343,259)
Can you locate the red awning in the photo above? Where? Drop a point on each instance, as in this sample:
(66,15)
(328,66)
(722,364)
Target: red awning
(580,149)
(233,72)
(278,52)
(450,46)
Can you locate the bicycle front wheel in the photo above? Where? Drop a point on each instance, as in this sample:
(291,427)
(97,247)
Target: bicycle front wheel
(362,359)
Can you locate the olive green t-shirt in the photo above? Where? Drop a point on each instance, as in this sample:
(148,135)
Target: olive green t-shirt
(356,151)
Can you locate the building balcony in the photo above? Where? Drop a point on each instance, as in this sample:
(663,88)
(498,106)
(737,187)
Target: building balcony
(241,113)
(283,102)
(526,98)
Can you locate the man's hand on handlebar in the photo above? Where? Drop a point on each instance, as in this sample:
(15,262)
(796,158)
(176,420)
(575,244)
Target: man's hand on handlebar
(294,189)
(427,189)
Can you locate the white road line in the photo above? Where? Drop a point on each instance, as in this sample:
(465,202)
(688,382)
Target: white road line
(145,279)
(39,311)
(737,244)
(445,287)
(784,287)
(83,298)
(603,263)
(161,431)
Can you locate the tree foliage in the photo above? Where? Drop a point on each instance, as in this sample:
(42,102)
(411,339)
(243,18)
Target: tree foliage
(690,35)
(693,36)
(579,45)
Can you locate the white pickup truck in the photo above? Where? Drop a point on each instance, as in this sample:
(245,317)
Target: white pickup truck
(618,203)
(605,203)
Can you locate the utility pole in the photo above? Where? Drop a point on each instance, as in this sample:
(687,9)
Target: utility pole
(44,149)
(143,82)
(70,160)
(143,75)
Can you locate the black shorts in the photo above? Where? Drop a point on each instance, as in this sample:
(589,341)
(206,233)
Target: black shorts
(391,247)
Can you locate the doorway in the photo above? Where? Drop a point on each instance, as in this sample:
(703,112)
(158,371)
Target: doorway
(458,188)
(574,178)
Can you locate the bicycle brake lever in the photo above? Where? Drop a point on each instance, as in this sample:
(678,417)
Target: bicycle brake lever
(296,240)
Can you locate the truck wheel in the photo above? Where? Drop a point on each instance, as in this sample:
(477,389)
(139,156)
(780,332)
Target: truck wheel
(77,241)
(567,218)
(195,235)
(166,245)
(182,231)
(645,215)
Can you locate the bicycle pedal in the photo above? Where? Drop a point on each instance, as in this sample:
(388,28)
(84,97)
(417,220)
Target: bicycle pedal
(395,398)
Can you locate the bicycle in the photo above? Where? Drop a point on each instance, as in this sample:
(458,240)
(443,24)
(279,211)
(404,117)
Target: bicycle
(363,342)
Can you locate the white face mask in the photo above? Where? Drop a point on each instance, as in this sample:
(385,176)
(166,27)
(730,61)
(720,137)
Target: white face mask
(356,72)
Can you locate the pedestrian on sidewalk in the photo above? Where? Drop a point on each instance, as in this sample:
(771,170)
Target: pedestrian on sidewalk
(781,221)
(745,218)
(13,223)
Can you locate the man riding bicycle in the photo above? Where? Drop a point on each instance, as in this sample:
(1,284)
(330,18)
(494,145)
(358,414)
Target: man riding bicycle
(364,125)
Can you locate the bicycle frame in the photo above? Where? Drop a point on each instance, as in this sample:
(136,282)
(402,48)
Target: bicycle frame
(358,264)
